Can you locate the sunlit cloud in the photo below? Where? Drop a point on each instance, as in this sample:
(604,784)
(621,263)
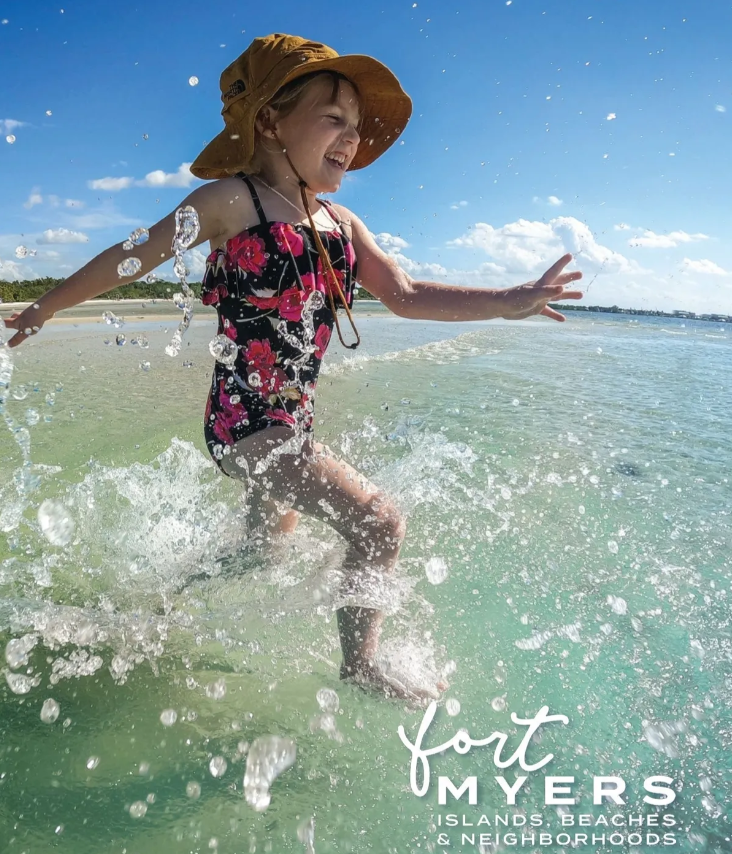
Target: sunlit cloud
(526,246)
(554,201)
(11,271)
(9,125)
(112,185)
(61,235)
(158,178)
(182,178)
(651,240)
(35,198)
(703,265)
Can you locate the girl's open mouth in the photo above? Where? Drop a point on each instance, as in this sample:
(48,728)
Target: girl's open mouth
(335,163)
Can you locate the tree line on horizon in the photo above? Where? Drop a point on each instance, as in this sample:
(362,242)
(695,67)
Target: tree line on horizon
(28,290)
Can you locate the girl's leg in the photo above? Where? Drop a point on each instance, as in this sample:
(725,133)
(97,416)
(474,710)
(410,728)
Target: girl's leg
(268,516)
(331,490)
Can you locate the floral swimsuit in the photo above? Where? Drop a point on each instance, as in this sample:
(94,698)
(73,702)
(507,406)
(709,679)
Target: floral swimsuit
(269,289)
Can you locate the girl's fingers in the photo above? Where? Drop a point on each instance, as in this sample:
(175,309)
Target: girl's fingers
(555,315)
(570,295)
(566,278)
(552,273)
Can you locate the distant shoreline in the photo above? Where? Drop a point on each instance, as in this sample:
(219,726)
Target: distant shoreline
(156,307)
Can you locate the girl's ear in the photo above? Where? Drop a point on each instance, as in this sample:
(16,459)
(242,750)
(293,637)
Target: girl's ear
(265,122)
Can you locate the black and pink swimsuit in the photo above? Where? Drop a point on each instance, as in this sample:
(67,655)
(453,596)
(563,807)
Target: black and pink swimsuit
(262,285)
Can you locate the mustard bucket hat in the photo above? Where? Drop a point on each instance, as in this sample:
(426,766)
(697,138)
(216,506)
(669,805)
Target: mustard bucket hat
(254,78)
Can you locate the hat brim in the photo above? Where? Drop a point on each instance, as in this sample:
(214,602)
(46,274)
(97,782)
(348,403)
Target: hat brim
(386,109)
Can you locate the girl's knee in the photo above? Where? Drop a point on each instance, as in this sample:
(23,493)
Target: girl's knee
(383,531)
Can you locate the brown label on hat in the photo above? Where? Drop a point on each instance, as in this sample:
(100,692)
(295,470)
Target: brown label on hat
(236,88)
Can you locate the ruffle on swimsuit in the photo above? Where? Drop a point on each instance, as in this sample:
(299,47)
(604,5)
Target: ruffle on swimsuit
(269,289)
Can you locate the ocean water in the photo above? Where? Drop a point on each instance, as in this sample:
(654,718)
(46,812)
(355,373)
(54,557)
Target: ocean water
(567,485)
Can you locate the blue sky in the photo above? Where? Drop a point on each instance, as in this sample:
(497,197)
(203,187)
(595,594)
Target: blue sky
(595,126)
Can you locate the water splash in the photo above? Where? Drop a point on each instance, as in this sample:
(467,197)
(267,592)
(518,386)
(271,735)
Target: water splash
(268,757)
(187,228)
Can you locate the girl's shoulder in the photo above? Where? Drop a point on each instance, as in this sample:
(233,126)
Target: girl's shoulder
(346,218)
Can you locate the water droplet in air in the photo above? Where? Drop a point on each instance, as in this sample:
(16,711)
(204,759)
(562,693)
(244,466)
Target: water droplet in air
(138,809)
(328,700)
(193,81)
(21,251)
(617,604)
(129,267)
(16,652)
(121,340)
(56,523)
(111,319)
(224,350)
(268,757)
(92,762)
(217,766)
(436,570)
(612,547)
(49,113)
(452,707)
(127,245)
(193,790)
(10,138)
(498,704)
(216,690)
(32,417)
(50,711)
(145,366)
(139,235)
(168,717)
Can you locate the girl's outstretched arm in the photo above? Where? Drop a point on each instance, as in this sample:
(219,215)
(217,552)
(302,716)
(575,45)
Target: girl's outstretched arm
(382,277)
(101,275)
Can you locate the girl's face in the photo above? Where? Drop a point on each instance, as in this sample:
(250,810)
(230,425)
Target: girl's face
(320,137)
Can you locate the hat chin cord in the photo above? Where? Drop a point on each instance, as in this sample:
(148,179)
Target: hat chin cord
(324,257)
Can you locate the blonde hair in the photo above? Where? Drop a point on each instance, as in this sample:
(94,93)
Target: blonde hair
(287,98)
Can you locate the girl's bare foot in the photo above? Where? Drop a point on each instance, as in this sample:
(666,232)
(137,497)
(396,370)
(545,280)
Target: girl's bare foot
(368,675)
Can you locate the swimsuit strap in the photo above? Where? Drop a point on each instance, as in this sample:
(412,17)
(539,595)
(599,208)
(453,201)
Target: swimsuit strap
(334,213)
(255,198)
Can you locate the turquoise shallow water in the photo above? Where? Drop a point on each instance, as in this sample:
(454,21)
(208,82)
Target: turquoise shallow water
(573,479)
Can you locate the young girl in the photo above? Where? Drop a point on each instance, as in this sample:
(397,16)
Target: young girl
(283,263)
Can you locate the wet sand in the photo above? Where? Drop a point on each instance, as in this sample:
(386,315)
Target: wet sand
(136,309)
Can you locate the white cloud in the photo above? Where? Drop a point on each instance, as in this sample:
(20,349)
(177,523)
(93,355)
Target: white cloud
(35,198)
(621,226)
(62,235)
(9,125)
(195,260)
(458,205)
(158,178)
(111,184)
(554,201)
(10,271)
(106,216)
(182,178)
(526,246)
(651,240)
(390,243)
(74,203)
(703,266)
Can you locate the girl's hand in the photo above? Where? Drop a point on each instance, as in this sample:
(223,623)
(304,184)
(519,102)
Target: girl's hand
(27,322)
(532,298)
